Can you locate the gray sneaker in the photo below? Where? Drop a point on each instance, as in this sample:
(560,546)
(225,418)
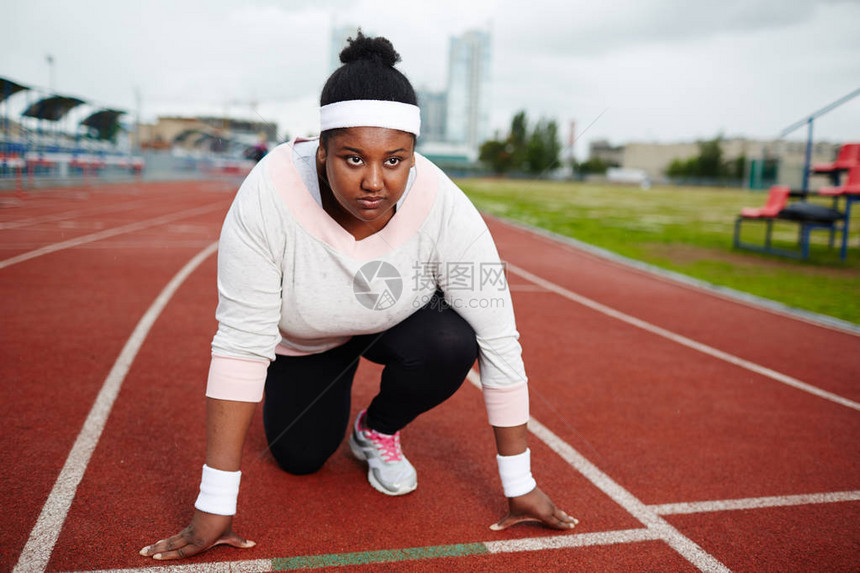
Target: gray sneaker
(388,470)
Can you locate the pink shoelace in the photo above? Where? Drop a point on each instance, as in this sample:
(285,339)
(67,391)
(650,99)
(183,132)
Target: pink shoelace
(390,445)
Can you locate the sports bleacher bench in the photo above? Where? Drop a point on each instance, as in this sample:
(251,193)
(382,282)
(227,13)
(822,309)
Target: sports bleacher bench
(808,216)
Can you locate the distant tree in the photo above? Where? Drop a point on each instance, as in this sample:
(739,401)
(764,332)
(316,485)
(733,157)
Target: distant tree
(594,165)
(543,148)
(496,154)
(519,134)
(683,168)
(708,164)
(710,160)
(517,141)
(508,154)
(736,168)
(534,152)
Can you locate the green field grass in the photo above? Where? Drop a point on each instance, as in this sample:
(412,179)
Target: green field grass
(687,230)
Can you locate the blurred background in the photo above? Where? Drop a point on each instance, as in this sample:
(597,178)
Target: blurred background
(636,87)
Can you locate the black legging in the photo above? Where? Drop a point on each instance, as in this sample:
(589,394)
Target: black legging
(307,403)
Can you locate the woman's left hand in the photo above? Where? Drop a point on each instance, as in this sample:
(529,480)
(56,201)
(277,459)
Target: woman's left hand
(534,506)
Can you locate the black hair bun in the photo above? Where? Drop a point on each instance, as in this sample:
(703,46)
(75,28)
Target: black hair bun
(376,49)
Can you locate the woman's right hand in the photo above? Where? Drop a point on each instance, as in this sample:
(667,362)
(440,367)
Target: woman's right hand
(205,530)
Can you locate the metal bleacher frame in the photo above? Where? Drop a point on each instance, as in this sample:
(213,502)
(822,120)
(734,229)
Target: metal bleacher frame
(821,218)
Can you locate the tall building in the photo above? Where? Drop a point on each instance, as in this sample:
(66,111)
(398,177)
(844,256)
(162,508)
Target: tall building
(468,105)
(433,115)
(337,42)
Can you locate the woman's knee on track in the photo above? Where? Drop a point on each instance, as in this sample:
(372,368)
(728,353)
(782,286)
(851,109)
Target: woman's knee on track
(298,461)
(452,348)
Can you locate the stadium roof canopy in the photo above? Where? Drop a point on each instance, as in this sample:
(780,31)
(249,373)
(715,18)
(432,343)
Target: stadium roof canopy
(105,122)
(52,108)
(9,88)
(185,134)
(203,137)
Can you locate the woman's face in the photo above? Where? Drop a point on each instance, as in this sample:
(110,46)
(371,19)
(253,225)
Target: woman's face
(367,169)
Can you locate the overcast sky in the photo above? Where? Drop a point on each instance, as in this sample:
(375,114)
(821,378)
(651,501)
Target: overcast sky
(646,70)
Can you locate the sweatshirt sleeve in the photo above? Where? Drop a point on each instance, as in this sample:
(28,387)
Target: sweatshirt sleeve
(249,293)
(473,279)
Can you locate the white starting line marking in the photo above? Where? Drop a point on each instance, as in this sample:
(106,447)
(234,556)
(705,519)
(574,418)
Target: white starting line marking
(754,503)
(493,547)
(255,566)
(130,228)
(656,529)
(657,525)
(43,537)
(683,340)
(569,541)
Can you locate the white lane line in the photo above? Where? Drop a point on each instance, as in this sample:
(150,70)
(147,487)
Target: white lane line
(754,502)
(616,537)
(684,341)
(71,214)
(686,281)
(526,288)
(568,541)
(493,547)
(130,228)
(160,242)
(661,528)
(43,537)
(255,566)
(144,244)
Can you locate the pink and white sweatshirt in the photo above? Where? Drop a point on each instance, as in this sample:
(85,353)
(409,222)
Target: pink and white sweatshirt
(292,281)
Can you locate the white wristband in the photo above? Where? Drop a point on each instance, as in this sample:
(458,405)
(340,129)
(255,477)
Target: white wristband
(516,474)
(218,491)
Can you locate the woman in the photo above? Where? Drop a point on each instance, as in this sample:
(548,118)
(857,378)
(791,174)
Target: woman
(354,246)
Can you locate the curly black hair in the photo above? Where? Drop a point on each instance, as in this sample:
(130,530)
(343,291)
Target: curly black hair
(368,72)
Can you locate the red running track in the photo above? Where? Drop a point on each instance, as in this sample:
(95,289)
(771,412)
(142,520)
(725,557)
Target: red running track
(673,457)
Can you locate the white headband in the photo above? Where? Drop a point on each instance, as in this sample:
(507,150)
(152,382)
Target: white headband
(371,113)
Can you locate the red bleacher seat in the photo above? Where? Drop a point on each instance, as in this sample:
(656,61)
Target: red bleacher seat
(851,186)
(777,199)
(849,156)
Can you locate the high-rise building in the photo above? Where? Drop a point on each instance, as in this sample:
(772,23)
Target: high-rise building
(337,42)
(433,115)
(468,102)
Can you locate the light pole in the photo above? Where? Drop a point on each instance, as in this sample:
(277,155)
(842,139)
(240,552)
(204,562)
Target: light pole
(50,59)
(808,122)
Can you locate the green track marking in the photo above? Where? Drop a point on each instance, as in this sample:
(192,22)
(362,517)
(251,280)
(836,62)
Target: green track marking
(385,556)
